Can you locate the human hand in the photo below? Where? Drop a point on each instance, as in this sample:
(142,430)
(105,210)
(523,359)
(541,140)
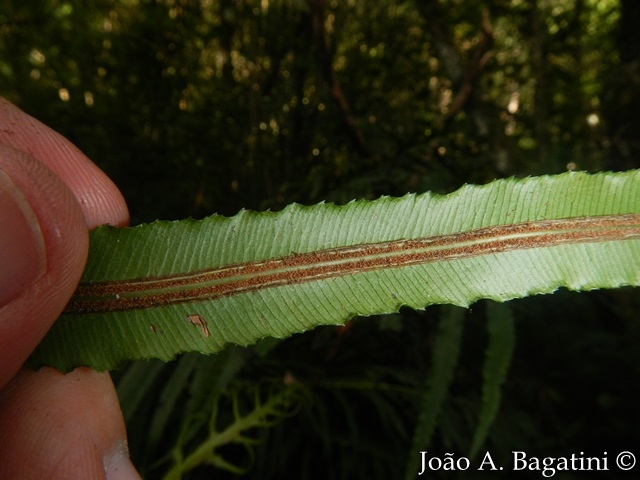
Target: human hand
(52,425)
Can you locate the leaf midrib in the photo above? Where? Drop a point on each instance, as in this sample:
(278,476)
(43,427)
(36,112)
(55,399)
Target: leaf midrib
(296,268)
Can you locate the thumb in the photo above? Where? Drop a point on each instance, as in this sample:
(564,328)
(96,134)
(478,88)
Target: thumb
(43,248)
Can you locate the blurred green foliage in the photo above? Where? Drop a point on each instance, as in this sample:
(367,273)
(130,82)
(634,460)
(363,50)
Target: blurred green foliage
(195,107)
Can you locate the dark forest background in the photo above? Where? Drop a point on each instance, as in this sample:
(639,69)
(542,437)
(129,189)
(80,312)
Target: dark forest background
(201,107)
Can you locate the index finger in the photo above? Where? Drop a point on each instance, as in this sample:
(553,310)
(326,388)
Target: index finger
(100,200)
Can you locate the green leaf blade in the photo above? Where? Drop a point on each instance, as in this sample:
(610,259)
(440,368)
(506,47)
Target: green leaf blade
(445,359)
(501,328)
(275,274)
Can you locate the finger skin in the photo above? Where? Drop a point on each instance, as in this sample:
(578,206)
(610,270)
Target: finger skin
(69,195)
(25,320)
(100,200)
(55,426)
(51,439)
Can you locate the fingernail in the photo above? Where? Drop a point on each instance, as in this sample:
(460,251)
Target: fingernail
(22,250)
(119,467)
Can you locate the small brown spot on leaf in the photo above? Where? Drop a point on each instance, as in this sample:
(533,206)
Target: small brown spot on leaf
(198,321)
